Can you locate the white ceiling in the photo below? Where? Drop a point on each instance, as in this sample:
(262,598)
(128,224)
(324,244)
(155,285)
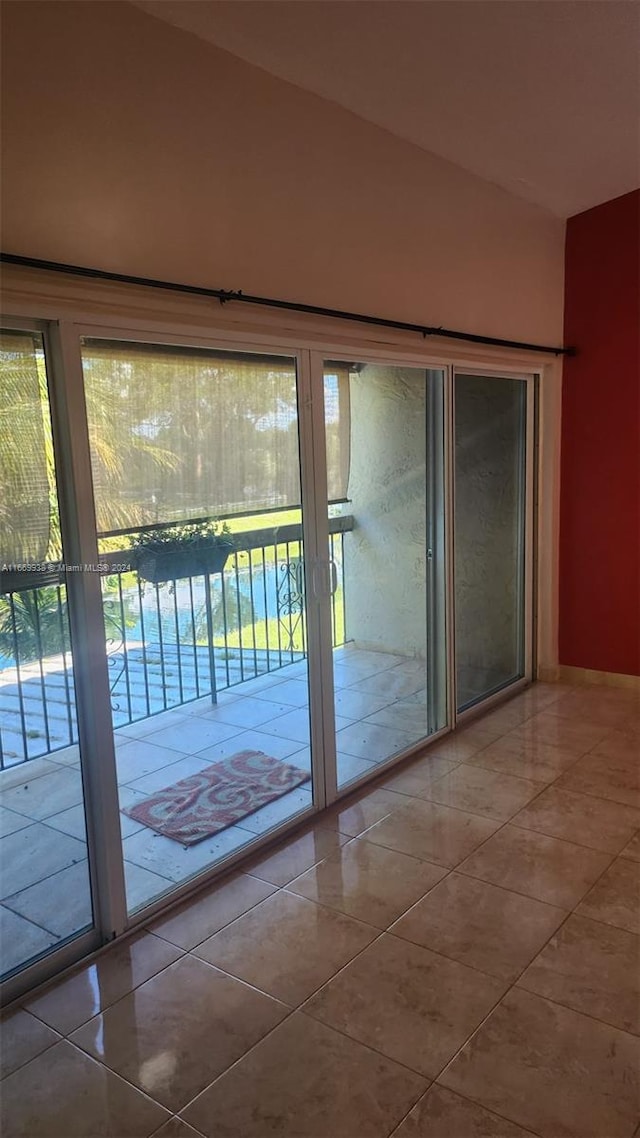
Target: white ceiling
(540,96)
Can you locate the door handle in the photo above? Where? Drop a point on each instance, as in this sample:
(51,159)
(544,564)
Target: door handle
(334,577)
(324,579)
(320,580)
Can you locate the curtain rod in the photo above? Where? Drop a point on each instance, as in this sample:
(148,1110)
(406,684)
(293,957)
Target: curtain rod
(225,296)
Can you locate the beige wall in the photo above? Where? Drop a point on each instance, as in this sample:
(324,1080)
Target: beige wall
(136,147)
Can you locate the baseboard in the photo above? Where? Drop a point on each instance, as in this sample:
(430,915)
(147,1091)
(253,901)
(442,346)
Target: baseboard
(565,674)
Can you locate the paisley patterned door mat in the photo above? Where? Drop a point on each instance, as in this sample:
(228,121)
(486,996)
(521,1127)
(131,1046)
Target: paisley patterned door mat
(205,803)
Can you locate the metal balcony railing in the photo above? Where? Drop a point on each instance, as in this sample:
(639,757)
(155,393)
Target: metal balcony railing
(167,645)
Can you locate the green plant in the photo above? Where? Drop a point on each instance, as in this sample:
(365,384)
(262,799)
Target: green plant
(193,535)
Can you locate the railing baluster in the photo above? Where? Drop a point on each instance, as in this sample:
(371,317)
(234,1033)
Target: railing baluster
(125,653)
(64,665)
(293,600)
(178,655)
(344,603)
(161,647)
(16,653)
(239,604)
(253,614)
(43,686)
(223,593)
(145,670)
(334,626)
(303,600)
(193,639)
(276,570)
(267,634)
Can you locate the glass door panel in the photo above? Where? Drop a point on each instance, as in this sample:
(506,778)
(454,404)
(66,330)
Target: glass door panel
(196,473)
(384,428)
(490,513)
(44,870)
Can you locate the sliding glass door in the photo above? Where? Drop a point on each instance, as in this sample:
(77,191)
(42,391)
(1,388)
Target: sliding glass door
(197,480)
(233,585)
(46,897)
(384,430)
(491,421)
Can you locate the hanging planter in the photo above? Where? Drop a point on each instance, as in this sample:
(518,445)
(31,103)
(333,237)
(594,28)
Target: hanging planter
(182,551)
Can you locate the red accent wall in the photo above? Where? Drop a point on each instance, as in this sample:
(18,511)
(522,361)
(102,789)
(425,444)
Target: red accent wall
(600,481)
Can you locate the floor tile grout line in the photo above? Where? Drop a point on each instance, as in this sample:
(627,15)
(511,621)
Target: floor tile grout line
(515,982)
(403,940)
(155,932)
(299,1010)
(18,813)
(466,1098)
(599,920)
(267,1035)
(25,1062)
(38,822)
(573,841)
(475,850)
(536,995)
(4,904)
(186,952)
(506,822)
(534,799)
(93,1059)
(568,1007)
(597,797)
(103,1063)
(492,885)
(122,1078)
(529,896)
(300,1007)
(410,1110)
(388,931)
(369,1046)
(57,981)
(349,842)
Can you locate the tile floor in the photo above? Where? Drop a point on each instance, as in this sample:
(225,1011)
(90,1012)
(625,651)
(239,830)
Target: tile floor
(380,709)
(453,953)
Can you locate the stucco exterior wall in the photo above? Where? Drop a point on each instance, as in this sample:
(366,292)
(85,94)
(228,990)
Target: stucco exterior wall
(385,554)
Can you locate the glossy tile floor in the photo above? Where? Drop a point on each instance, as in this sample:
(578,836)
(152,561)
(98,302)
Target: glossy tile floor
(380,708)
(452,954)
